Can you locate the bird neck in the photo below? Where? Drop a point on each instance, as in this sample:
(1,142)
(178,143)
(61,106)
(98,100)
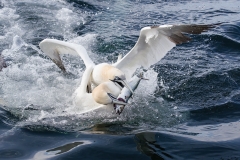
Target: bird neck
(109,72)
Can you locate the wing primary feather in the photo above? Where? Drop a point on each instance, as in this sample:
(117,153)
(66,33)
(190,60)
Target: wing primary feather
(58,60)
(176,36)
(179,38)
(194,29)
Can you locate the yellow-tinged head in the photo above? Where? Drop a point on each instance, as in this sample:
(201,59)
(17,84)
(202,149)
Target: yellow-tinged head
(118,77)
(105,72)
(112,72)
(106,93)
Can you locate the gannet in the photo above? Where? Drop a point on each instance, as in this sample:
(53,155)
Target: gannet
(101,73)
(87,101)
(152,45)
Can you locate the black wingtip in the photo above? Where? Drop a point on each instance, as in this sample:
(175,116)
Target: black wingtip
(178,31)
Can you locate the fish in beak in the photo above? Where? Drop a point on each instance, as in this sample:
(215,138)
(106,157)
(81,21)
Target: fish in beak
(122,83)
(126,94)
(115,100)
(126,84)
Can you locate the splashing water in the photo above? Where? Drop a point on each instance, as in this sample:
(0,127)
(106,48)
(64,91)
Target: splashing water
(39,94)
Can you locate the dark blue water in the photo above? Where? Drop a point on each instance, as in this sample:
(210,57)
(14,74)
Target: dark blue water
(189,108)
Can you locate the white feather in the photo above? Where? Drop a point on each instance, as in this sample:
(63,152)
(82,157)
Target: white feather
(53,48)
(153,44)
(83,100)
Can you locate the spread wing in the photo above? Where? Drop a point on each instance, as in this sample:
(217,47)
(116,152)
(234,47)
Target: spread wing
(53,48)
(154,43)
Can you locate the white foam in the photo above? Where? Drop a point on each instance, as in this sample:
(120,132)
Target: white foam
(31,79)
(69,17)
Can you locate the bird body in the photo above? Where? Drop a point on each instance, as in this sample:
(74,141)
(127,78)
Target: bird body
(99,97)
(83,100)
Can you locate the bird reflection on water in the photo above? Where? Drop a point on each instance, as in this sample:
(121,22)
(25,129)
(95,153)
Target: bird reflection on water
(147,144)
(64,148)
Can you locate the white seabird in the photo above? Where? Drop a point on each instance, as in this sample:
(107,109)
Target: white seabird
(152,45)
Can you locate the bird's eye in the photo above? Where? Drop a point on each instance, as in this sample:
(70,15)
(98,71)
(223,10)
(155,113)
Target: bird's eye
(117,78)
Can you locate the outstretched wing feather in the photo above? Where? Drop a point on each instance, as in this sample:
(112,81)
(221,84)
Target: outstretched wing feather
(53,48)
(154,43)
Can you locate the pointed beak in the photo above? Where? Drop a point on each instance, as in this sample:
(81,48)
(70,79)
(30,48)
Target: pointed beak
(123,82)
(115,100)
(126,84)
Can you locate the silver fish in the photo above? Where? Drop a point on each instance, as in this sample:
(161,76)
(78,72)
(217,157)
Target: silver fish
(126,93)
